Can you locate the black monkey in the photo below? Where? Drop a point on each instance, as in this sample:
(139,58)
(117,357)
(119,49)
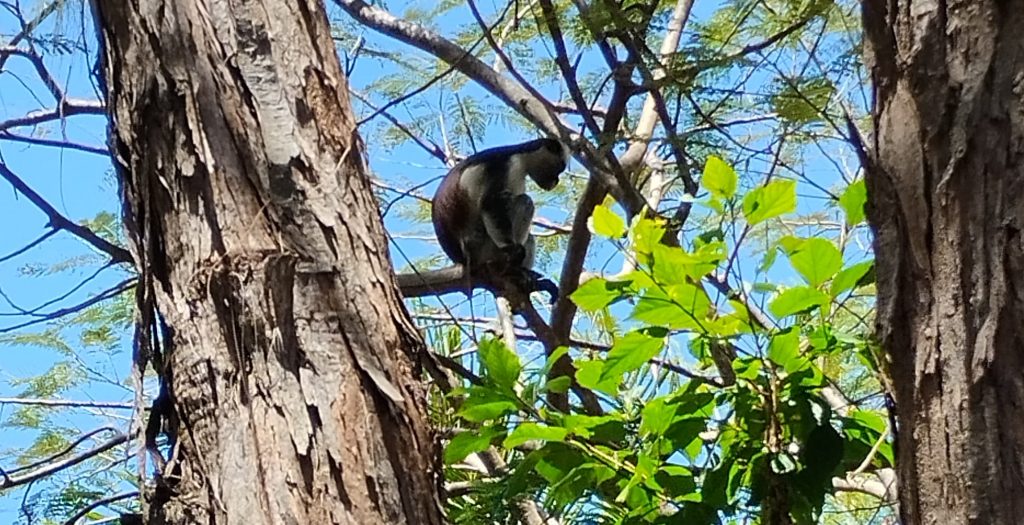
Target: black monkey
(481,211)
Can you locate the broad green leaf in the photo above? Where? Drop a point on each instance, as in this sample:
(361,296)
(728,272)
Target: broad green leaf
(483,403)
(771,200)
(685,306)
(468,442)
(607,223)
(719,178)
(784,350)
(588,374)
(658,415)
(528,431)
(817,260)
(629,353)
(674,265)
(559,384)
(597,293)
(853,200)
(849,278)
(500,364)
(647,233)
(795,300)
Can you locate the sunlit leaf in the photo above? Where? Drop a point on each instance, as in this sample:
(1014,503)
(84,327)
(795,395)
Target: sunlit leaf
(719,178)
(774,199)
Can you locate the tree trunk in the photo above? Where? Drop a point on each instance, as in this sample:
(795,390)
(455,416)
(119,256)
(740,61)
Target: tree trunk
(289,362)
(945,181)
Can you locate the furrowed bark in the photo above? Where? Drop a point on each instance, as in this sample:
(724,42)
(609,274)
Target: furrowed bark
(289,361)
(945,179)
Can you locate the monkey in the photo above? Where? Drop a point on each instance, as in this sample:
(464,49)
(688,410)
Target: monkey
(482,214)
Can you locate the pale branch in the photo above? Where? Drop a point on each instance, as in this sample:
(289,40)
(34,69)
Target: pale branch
(30,401)
(116,253)
(422,283)
(66,108)
(883,488)
(51,467)
(37,62)
(73,520)
(31,25)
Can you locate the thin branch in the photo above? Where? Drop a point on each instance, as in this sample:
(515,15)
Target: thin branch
(117,254)
(57,466)
(99,503)
(67,108)
(30,245)
(30,26)
(568,72)
(428,145)
(56,314)
(538,111)
(63,403)
(37,141)
(37,61)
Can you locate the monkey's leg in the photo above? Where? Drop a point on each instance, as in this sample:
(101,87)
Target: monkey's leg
(507,219)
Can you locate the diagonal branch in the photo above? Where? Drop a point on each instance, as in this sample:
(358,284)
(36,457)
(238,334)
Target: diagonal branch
(117,254)
(7,482)
(537,110)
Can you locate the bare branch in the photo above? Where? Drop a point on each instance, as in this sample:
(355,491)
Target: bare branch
(99,503)
(117,254)
(537,110)
(38,141)
(61,312)
(56,466)
(68,107)
(63,403)
(37,61)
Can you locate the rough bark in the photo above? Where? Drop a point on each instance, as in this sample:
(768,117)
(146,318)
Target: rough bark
(945,179)
(289,362)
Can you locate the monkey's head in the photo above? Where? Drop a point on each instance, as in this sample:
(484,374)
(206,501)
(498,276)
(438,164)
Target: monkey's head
(547,160)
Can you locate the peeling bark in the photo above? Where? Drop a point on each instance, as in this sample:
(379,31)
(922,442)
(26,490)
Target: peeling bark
(289,361)
(945,179)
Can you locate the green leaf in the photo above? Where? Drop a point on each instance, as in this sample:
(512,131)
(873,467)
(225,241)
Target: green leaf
(469,442)
(853,200)
(784,350)
(559,384)
(719,178)
(597,294)
(817,260)
(588,374)
(850,277)
(500,364)
(685,306)
(774,199)
(606,223)
(657,416)
(795,300)
(629,353)
(482,403)
(647,233)
(529,431)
